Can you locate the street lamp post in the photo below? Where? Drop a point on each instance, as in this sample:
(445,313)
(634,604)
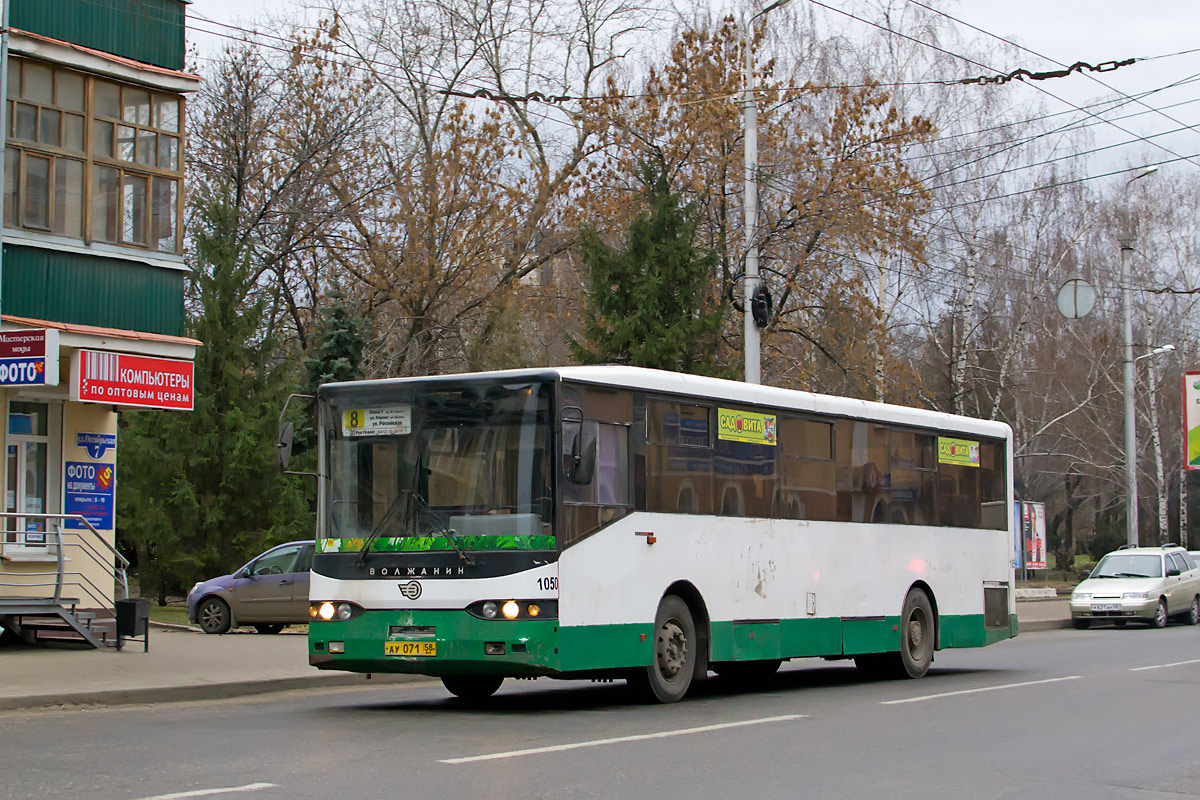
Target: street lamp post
(1131,499)
(752,344)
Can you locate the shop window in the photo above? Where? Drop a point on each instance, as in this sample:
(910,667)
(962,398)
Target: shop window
(63,124)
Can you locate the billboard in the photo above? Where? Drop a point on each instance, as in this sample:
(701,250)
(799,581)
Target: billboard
(1191,420)
(1030,535)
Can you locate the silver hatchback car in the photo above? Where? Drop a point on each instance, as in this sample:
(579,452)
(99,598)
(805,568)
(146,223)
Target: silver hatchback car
(1148,584)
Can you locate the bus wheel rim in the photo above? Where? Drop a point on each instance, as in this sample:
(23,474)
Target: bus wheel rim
(672,649)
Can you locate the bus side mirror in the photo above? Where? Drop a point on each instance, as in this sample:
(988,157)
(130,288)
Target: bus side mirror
(283,445)
(583,458)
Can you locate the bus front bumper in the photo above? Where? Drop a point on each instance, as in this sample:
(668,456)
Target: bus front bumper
(434,643)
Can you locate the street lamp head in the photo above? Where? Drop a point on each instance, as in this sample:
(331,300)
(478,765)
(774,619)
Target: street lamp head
(1166,348)
(1145,173)
(769,9)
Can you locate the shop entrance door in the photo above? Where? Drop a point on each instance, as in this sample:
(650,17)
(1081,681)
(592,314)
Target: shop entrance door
(27,472)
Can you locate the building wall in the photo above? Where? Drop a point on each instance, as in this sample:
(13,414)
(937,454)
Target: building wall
(40,283)
(150,31)
(29,570)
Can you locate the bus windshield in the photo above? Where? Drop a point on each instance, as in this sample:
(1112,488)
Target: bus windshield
(426,467)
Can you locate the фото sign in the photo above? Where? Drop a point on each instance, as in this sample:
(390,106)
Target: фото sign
(88,490)
(29,358)
(1191,420)
(130,380)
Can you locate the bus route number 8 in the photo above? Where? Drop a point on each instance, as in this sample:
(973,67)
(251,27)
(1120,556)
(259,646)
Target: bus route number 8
(354,419)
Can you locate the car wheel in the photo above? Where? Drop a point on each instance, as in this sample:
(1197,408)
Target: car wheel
(213,615)
(1193,615)
(272,628)
(667,679)
(1081,624)
(1160,615)
(472,687)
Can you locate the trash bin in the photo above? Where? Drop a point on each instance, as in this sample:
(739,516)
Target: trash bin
(133,616)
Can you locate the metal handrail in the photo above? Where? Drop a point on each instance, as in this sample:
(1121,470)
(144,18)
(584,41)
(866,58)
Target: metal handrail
(118,570)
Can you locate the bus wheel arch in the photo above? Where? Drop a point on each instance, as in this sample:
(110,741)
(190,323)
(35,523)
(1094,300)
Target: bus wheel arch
(689,594)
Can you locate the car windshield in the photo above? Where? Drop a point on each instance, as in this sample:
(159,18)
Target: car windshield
(1128,565)
(425,467)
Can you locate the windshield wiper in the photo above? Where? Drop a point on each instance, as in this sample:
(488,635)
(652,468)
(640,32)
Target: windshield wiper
(379,526)
(444,528)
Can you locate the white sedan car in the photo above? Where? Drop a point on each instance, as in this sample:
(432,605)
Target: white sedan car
(1148,584)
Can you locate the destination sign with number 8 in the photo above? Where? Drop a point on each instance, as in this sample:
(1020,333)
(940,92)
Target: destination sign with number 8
(410,649)
(390,421)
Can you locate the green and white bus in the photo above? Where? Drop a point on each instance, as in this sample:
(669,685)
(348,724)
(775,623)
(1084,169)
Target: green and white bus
(608,521)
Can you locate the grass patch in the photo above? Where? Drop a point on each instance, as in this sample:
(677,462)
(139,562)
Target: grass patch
(175,615)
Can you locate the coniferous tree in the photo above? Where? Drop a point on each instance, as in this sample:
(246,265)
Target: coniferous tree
(650,303)
(199,491)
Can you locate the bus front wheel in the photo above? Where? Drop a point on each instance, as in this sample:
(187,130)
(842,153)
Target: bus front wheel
(472,687)
(669,675)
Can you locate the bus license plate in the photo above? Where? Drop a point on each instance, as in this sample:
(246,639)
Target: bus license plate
(425,649)
(1106,606)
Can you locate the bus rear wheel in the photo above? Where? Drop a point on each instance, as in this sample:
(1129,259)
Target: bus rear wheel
(916,635)
(668,677)
(472,687)
(916,643)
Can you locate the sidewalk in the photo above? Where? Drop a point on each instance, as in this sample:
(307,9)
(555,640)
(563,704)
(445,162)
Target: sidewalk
(185,664)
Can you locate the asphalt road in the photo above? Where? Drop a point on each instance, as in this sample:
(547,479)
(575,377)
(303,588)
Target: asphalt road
(1104,713)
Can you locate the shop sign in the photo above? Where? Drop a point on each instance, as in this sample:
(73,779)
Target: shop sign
(129,380)
(745,426)
(29,358)
(88,490)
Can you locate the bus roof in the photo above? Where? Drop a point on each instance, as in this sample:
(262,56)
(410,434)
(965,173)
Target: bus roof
(720,389)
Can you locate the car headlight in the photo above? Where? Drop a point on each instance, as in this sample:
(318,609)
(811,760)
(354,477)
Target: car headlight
(1135,595)
(194,588)
(1081,596)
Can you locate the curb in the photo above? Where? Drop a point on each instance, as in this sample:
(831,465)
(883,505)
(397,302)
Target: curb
(1033,626)
(212,691)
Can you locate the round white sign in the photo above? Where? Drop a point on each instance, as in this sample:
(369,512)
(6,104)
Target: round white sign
(1076,298)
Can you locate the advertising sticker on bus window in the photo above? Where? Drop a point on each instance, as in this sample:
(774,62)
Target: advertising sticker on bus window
(390,421)
(744,426)
(962,452)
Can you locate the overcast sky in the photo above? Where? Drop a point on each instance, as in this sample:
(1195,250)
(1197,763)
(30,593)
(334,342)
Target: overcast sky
(1092,31)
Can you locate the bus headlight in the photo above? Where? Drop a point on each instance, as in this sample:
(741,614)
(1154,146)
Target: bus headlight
(339,610)
(500,610)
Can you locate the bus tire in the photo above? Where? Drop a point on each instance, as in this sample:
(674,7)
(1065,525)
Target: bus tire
(917,635)
(670,673)
(472,687)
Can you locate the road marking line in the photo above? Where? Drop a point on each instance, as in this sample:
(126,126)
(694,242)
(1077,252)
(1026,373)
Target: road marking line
(249,787)
(976,691)
(619,739)
(1164,666)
